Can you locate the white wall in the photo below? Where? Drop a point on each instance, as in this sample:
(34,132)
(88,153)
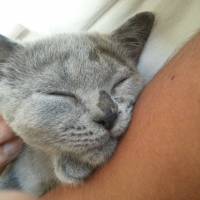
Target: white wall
(47,16)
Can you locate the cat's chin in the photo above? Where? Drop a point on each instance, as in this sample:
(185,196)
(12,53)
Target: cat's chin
(70,170)
(100,154)
(73,170)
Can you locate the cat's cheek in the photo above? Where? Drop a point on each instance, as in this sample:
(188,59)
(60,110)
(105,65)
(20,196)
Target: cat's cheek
(122,123)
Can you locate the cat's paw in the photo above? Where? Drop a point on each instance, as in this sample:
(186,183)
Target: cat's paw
(70,171)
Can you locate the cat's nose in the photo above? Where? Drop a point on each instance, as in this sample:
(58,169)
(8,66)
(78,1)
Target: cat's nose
(107,120)
(109,109)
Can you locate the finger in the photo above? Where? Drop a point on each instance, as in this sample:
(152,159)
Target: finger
(9,151)
(6,132)
(12,195)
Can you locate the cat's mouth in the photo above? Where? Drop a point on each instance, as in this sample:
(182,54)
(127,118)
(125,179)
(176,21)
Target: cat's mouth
(101,146)
(97,147)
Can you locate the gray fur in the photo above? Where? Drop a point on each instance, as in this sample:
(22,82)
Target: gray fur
(69,97)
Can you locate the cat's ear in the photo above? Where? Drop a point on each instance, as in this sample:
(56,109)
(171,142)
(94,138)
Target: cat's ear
(133,34)
(7,47)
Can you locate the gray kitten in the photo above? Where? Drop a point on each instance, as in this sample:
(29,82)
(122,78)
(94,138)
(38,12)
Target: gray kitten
(69,97)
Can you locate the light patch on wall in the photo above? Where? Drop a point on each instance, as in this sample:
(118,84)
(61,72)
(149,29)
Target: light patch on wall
(49,16)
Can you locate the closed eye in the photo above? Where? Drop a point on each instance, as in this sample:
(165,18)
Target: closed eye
(119,83)
(62,94)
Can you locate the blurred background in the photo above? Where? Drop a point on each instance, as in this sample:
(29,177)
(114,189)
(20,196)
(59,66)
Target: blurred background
(176,22)
(57,15)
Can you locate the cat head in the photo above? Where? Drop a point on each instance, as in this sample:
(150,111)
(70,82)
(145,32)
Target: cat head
(74,93)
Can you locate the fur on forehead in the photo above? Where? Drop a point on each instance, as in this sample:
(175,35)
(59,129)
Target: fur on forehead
(130,37)
(124,45)
(81,46)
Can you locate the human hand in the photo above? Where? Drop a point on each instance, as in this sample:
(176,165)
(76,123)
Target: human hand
(10,145)
(14,195)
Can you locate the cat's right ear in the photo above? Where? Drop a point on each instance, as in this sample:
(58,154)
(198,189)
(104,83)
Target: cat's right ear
(133,34)
(7,47)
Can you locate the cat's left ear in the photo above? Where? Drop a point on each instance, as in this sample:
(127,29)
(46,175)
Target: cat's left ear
(133,34)
(7,47)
